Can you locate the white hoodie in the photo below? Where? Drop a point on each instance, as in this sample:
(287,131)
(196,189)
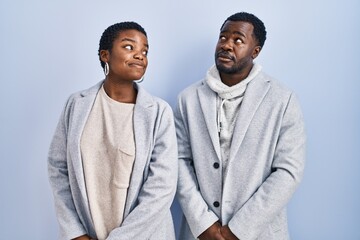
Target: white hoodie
(228,105)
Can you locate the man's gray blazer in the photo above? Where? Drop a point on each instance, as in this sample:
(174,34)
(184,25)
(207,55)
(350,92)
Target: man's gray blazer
(153,182)
(265,166)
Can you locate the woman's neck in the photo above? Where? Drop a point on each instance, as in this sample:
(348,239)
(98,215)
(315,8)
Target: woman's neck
(121,91)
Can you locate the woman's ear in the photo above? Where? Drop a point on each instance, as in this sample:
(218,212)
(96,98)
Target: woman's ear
(104,55)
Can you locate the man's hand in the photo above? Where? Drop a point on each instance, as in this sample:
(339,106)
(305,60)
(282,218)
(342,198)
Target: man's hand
(227,233)
(83,237)
(212,233)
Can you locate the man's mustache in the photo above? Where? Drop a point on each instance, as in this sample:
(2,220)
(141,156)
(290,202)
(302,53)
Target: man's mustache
(225,54)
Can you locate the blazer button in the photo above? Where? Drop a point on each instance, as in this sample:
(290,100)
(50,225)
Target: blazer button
(216,204)
(216,165)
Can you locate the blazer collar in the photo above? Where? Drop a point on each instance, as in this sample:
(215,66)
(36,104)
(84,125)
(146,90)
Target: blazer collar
(92,91)
(253,97)
(207,98)
(143,99)
(80,113)
(144,118)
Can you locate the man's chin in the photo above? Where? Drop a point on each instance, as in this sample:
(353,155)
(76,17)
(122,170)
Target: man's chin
(223,69)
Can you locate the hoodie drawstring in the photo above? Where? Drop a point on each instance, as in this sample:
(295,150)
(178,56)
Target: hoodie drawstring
(219,115)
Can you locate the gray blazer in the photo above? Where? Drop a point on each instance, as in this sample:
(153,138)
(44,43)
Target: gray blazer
(153,182)
(265,166)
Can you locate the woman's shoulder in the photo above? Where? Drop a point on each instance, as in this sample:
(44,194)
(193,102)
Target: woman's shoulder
(91,91)
(146,98)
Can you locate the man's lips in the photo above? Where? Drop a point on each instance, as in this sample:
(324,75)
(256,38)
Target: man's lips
(225,57)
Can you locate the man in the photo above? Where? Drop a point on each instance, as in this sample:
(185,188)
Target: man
(241,143)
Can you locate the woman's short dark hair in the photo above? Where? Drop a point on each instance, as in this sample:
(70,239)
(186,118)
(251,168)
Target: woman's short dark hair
(112,32)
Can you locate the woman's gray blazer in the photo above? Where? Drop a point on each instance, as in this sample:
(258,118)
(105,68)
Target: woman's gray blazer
(266,161)
(153,181)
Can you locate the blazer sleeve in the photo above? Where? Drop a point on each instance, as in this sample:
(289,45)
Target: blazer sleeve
(158,191)
(275,192)
(197,213)
(70,225)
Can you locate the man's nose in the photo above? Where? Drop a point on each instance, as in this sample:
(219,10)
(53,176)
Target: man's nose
(227,46)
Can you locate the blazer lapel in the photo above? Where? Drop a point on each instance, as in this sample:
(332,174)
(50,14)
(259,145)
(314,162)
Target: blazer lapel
(254,95)
(81,111)
(207,99)
(143,129)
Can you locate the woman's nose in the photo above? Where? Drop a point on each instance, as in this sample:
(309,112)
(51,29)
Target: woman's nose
(139,56)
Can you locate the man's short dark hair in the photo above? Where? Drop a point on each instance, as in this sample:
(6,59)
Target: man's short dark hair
(259,27)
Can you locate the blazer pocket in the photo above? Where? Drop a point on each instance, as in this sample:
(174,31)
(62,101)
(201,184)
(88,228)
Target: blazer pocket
(123,166)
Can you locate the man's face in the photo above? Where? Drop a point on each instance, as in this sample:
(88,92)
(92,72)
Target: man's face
(236,48)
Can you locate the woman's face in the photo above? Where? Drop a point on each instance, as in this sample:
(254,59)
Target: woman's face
(128,57)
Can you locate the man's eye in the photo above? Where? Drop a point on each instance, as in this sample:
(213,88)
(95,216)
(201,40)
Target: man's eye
(222,38)
(145,53)
(129,47)
(238,40)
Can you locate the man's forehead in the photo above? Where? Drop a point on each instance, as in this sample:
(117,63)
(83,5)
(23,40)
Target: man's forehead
(236,27)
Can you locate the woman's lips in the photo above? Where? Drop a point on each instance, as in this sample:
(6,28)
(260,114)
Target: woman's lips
(137,64)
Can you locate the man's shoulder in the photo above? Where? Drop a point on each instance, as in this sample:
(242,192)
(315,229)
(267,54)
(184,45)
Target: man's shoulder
(191,89)
(276,85)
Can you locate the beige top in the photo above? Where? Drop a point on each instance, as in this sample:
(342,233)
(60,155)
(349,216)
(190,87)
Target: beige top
(108,154)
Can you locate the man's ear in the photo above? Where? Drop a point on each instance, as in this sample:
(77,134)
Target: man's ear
(256,52)
(104,55)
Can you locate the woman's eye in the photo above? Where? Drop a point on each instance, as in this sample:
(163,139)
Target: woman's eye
(128,47)
(145,53)
(222,38)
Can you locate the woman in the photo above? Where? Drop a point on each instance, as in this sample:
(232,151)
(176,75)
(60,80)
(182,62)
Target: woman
(112,161)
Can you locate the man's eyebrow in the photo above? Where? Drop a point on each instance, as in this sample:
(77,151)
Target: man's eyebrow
(239,33)
(234,32)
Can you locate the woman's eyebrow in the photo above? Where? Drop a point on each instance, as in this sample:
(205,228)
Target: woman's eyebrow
(132,40)
(127,39)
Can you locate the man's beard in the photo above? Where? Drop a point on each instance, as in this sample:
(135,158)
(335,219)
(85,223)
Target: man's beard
(221,68)
(232,70)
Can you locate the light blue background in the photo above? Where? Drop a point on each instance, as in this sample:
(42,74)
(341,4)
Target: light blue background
(49,50)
